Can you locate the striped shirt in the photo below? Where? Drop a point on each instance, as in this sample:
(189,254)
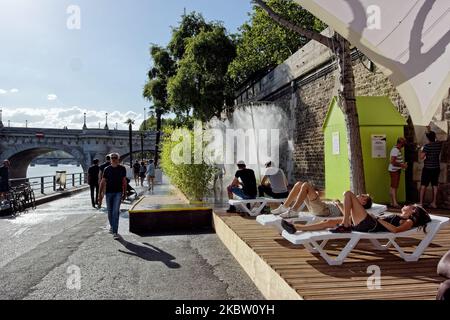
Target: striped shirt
(433,152)
(395,152)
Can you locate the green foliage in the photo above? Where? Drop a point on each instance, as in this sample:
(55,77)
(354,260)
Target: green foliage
(190,26)
(263,44)
(156,87)
(177,122)
(191,179)
(201,82)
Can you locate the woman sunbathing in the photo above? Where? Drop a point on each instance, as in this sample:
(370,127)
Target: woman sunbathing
(357,219)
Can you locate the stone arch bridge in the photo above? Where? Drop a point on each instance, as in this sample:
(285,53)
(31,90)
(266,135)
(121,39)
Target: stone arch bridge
(22,145)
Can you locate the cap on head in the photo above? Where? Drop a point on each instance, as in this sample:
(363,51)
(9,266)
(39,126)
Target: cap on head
(241,163)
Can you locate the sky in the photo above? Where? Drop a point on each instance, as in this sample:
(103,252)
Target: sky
(62,58)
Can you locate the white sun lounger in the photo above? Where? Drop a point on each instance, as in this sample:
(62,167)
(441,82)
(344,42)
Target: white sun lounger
(315,241)
(257,204)
(308,217)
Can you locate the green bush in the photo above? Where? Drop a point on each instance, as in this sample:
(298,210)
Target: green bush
(192,179)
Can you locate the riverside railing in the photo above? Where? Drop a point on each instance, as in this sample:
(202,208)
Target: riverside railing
(44,184)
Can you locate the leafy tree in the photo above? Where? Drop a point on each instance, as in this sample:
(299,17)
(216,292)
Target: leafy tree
(341,47)
(190,26)
(177,122)
(201,82)
(263,44)
(155,89)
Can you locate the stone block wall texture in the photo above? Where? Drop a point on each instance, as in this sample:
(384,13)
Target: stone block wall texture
(312,98)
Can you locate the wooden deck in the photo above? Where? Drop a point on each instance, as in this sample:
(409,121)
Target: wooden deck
(312,278)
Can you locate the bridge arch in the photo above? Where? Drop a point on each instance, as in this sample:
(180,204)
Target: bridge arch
(22,156)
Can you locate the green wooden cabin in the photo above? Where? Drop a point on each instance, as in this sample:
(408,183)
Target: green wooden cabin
(380,126)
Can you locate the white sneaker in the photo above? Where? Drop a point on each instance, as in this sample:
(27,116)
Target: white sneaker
(280,209)
(289,214)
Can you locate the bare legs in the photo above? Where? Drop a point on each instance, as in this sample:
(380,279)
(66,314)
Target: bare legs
(353,212)
(422,195)
(393,194)
(298,195)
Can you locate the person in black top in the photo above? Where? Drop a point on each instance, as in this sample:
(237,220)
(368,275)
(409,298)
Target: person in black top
(136,170)
(93,173)
(357,219)
(103,166)
(243,185)
(430,153)
(114,187)
(4,179)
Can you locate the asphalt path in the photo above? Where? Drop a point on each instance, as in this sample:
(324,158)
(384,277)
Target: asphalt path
(63,250)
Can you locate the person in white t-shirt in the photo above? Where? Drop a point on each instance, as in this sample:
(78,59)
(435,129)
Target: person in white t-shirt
(396,165)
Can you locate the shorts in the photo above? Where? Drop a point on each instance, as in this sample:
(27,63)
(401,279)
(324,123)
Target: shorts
(395,178)
(430,176)
(370,225)
(241,194)
(317,207)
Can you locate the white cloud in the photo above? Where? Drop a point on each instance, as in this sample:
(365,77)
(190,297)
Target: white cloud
(52,97)
(3,92)
(72,117)
(14,90)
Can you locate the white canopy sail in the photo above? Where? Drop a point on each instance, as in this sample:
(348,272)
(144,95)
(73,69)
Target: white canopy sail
(408,39)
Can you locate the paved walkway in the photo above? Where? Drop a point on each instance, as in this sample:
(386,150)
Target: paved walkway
(45,252)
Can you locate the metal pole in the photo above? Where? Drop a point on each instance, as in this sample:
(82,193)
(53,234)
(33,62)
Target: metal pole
(42,185)
(142,146)
(54,183)
(130,129)
(257,144)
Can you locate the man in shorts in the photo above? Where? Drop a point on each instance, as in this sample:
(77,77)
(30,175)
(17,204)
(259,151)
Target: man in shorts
(430,153)
(304,192)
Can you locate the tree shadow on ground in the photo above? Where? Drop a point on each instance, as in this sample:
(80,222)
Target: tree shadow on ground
(149,253)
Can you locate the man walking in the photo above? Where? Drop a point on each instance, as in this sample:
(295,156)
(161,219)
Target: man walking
(102,168)
(395,169)
(136,169)
(151,175)
(93,173)
(4,179)
(114,187)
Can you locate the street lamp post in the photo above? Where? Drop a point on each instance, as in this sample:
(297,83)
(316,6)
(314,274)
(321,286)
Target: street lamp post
(130,133)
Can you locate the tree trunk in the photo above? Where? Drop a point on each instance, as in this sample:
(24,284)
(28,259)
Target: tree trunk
(347,103)
(158,135)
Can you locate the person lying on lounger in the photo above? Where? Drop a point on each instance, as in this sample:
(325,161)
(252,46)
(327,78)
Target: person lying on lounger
(357,219)
(305,192)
